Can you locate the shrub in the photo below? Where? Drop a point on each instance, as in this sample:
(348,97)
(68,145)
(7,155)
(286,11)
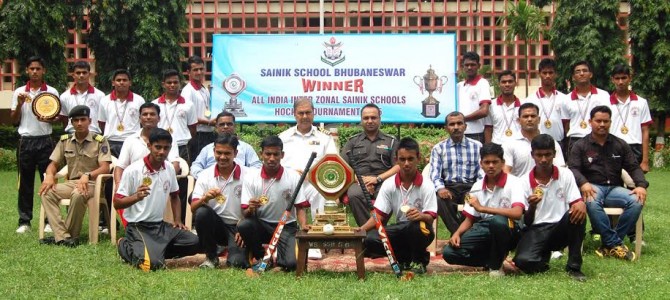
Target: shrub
(7,159)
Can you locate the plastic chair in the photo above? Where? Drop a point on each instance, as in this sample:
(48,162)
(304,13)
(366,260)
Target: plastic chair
(93,204)
(183,165)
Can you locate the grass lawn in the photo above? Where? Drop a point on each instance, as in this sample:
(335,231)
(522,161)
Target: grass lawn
(28,270)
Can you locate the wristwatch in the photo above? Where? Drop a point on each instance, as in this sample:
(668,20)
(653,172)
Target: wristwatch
(379,180)
(88,174)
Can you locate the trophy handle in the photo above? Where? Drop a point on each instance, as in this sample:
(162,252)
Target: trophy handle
(443,80)
(419,83)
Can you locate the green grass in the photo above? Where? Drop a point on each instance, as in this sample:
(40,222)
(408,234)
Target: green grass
(28,270)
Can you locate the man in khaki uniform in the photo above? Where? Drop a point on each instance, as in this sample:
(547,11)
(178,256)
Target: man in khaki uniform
(86,155)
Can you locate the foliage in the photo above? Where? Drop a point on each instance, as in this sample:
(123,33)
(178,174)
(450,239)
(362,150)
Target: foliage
(526,22)
(587,30)
(39,27)
(142,36)
(541,3)
(32,271)
(9,137)
(7,159)
(649,30)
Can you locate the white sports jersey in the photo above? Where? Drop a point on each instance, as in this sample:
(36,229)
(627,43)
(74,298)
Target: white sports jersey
(199,96)
(634,113)
(135,148)
(517,155)
(505,194)
(503,118)
(471,94)
(230,210)
(558,194)
(114,112)
(578,109)
(176,117)
(552,108)
(163,184)
(392,196)
(278,189)
(91,98)
(29,125)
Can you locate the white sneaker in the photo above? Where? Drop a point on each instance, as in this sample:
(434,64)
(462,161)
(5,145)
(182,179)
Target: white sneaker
(103,229)
(556,254)
(23,229)
(47,229)
(496,273)
(210,263)
(314,254)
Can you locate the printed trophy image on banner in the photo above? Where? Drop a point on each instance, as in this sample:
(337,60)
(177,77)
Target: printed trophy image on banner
(431,82)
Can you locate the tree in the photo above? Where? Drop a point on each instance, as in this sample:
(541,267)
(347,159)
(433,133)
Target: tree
(649,31)
(142,36)
(39,27)
(587,30)
(526,22)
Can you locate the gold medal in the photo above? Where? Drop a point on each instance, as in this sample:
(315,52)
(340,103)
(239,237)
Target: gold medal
(538,191)
(208,113)
(170,130)
(28,99)
(146,181)
(404,208)
(582,124)
(466,199)
(508,132)
(119,127)
(263,199)
(624,129)
(547,124)
(220,199)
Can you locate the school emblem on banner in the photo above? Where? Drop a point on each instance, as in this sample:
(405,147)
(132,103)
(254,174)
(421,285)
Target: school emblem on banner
(333,53)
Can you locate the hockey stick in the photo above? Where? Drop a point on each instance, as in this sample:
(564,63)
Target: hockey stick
(382,233)
(272,247)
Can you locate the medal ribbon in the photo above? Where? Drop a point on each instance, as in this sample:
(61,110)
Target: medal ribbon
(266,188)
(169,120)
(582,112)
(623,120)
(508,123)
(230,178)
(553,102)
(125,108)
(405,196)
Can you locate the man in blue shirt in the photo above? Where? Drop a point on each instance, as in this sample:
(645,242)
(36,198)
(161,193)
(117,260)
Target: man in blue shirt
(246,156)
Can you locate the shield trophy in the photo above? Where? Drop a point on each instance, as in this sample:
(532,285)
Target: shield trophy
(331,177)
(46,106)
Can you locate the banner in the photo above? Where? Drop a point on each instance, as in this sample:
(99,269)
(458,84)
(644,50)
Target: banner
(411,77)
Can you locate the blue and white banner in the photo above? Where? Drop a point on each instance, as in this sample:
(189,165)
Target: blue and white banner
(411,77)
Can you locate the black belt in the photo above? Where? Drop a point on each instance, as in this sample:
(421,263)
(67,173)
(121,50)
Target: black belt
(35,137)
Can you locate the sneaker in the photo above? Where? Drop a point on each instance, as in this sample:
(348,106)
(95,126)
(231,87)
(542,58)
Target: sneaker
(643,243)
(257,265)
(314,254)
(103,229)
(622,252)
(210,263)
(576,275)
(417,267)
(556,254)
(496,273)
(23,229)
(405,265)
(47,229)
(602,251)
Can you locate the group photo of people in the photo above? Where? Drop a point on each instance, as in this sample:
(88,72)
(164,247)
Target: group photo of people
(513,181)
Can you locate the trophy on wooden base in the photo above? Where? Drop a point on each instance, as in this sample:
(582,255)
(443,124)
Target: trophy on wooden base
(431,82)
(331,177)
